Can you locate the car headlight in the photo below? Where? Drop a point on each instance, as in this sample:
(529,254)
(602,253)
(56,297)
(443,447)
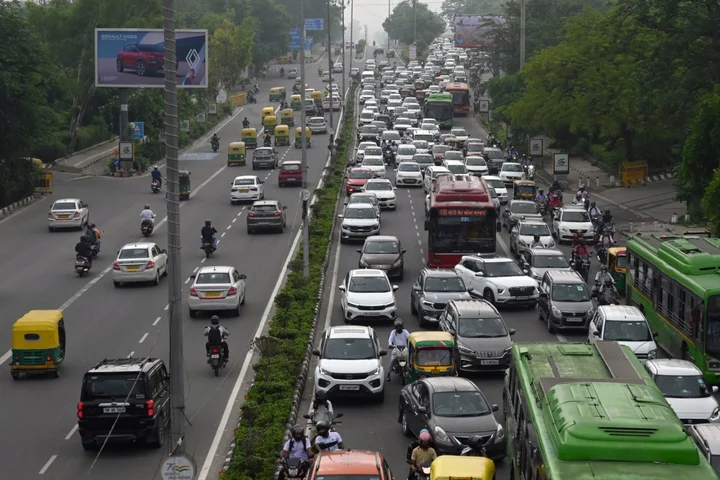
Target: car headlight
(556,311)
(352,305)
(376,226)
(322,371)
(428,304)
(652,354)
(466,350)
(564,229)
(499,434)
(397,263)
(364,264)
(500,291)
(441,435)
(715,414)
(551,244)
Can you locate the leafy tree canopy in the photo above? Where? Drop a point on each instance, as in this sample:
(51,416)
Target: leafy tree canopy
(450,8)
(400,26)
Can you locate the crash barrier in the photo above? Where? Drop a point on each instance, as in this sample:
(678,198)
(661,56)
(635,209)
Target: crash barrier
(44,182)
(633,173)
(238,99)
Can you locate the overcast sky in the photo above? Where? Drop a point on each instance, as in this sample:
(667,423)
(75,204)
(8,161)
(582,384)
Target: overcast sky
(374,12)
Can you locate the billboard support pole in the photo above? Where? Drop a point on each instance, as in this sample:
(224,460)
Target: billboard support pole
(177,385)
(414,5)
(124,113)
(303,139)
(330,75)
(522,33)
(344,50)
(352,27)
(388,49)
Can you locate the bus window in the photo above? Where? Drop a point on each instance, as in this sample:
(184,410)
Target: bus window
(713,326)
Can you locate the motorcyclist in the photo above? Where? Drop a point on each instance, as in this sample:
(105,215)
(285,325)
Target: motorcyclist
(581,194)
(282,71)
(536,243)
(148,215)
(541,197)
(83,249)
(555,200)
(581,249)
(246,123)
(215,141)
(576,239)
(295,90)
(556,187)
(477,447)
(257,87)
(157,176)
(602,276)
(216,335)
(320,70)
(607,217)
(93,235)
(298,446)
(327,440)
(321,401)
(512,151)
(607,293)
(398,338)
(423,453)
(207,234)
(594,211)
(267,138)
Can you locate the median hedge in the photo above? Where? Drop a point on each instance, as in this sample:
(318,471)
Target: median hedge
(269,400)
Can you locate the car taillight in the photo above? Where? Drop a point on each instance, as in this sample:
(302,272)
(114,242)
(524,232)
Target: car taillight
(193,292)
(150,408)
(150,265)
(234,190)
(50,215)
(116,266)
(232,291)
(80,407)
(278,214)
(251,214)
(77,214)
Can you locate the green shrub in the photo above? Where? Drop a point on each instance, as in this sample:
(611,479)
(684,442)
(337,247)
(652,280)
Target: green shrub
(268,404)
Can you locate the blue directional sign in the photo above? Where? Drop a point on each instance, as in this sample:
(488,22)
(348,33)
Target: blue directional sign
(138,130)
(309,43)
(295,43)
(314,24)
(295,39)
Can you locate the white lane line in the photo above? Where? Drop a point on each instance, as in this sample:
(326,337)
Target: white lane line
(416,228)
(187,281)
(223,234)
(143,338)
(421,252)
(423,259)
(157,320)
(228,228)
(217,243)
(203,260)
(561,338)
(47,465)
(166,307)
(419,242)
(235,219)
(72,432)
(333,285)
(417,233)
(130,354)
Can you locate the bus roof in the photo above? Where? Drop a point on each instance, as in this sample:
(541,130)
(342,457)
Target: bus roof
(595,403)
(456,190)
(456,86)
(439,97)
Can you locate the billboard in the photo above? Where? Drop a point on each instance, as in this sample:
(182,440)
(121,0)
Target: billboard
(132,58)
(473,31)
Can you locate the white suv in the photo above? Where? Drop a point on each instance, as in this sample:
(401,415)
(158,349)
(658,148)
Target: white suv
(350,363)
(367,294)
(499,280)
(384,190)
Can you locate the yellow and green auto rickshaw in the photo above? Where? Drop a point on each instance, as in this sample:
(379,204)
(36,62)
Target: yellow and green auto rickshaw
(617,266)
(296,102)
(452,142)
(249,137)
(287,117)
(456,467)
(276,94)
(236,154)
(317,98)
(282,136)
(184,183)
(524,190)
(38,343)
(298,137)
(270,122)
(267,112)
(430,354)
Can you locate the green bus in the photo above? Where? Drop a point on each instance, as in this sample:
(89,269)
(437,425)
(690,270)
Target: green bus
(675,281)
(580,411)
(440,107)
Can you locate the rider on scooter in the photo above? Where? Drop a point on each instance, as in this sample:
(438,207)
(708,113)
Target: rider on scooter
(398,338)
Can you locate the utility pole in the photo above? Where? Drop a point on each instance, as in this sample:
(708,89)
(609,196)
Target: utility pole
(177,383)
(305,194)
(344,64)
(352,27)
(388,35)
(414,4)
(522,33)
(331,130)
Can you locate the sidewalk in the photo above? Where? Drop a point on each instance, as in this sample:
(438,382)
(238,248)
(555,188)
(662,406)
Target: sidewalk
(81,160)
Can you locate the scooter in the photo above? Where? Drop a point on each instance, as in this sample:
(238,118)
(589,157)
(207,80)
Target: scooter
(146,227)
(155,186)
(95,248)
(216,359)
(215,145)
(530,175)
(319,415)
(582,266)
(423,473)
(82,266)
(208,249)
(400,362)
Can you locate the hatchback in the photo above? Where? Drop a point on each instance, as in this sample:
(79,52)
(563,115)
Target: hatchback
(290,173)
(139,262)
(264,157)
(215,289)
(383,252)
(317,125)
(68,213)
(266,215)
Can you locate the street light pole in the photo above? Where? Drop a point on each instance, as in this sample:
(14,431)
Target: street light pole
(522,33)
(344,59)
(352,27)
(330,81)
(414,5)
(388,35)
(303,138)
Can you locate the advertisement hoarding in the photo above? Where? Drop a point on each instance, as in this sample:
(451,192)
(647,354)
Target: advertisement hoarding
(475,31)
(132,58)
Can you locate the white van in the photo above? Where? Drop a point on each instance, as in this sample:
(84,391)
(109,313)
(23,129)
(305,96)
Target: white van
(627,326)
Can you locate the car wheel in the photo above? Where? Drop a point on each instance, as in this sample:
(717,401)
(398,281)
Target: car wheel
(51,229)
(193,313)
(117,284)
(550,327)
(236,311)
(159,437)
(413,308)
(119,66)
(156,282)
(140,68)
(489,296)
(404,423)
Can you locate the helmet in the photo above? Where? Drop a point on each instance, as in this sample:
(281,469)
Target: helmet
(246,119)
(91,225)
(398,323)
(155,167)
(215,320)
(475,442)
(603,269)
(83,238)
(592,204)
(424,437)
(424,430)
(147,206)
(208,222)
(607,212)
(536,238)
(298,430)
(541,191)
(320,396)
(322,425)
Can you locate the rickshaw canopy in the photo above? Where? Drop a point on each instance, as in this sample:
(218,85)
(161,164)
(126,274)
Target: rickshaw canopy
(37,329)
(277,90)
(316,95)
(431,339)
(298,132)
(270,121)
(282,130)
(236,147)
(267,111)
(455,467)
(615,252)
(287,113)
(249,133)
(524,189)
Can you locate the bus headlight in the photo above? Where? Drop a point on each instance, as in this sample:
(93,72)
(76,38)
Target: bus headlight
(715,416)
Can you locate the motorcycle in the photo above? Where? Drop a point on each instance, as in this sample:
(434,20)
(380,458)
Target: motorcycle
(267,142)
(155,186)
(400,362)
(606,297)
(95,248)
(530,175)
(216,359)
(257,88)
(146,227)
(215,145)
(471,452)
(82,266)
(542,208)
(292,468)
(601,254)
(282,72)
(208,249)
(423,471)
(251,98)
(581,265)
(388,157)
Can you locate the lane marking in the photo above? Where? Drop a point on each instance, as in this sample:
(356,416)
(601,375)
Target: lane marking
(22,209)
(72,431)
(228,228)
(47,465)
(234,220)
(223,234)
(157,320)
(187,281)
(143,338)
(196,269)
(166,307)
(203,260)
(129,355)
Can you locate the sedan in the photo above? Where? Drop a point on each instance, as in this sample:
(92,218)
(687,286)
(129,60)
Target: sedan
(245,188)
(376,164)
(266,215)
(365,96)
(383,252)
(385,192)
(68,213)
(452,409)
(215,289)
(292,72)
(338,68)
(356,179)
(317,125)
(432,290)
(139,262)
(408,174)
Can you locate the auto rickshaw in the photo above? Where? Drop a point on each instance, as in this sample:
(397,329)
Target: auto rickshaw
(524,190)
(236,154)
(421,96)
(184,184)
(282,136)
(430,354)
(287,117)
(270,122)
(266,112)
(317,98)
(277,94)
(617,266)
(419,85)
(249,137)
(298,137)
(296,102)
(38,343)
(447,467)
(404,92)
(453,143)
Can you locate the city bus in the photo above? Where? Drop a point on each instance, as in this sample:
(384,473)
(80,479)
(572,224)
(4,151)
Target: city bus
(675,281)
(440,107)
(460,220)
(580,411)
(460,98)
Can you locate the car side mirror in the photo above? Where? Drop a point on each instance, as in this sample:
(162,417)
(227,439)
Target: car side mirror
(341,288)
(495,408)
(498,226)
(359,250)
(395,288)
(403,250)
(422,410)
(416,287)
(526,271)
(655,334)
(163,251)
(715,389)
(316,352)
(512,331)
(596,334)
(243,276)
(308,417)
(193,276)
(341,215)
(339,415)
(285,208)
(382,352)
(479,274)
(543,294)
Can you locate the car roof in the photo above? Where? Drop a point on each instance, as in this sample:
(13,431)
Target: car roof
(563,277)
(291,162)
(408,163)
(137,245)
(709,435)
(572,209)
(344,463)
(532,221)
(440,272)
(215,269)
(363,194)
(545,251)
(246,177)
(493,177)
(439,169)
(367,272)
(520,202)
(474,307)
(510,163)
(67,200)
(454,162)
(674,366)
(450,384)
(359,205)
(124,365)
(265,202)
(317,118)
(379,180)
(620,313)
(349,331)
(382,238)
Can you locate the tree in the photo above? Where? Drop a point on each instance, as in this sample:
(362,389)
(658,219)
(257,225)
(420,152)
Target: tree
(273,30)
(230,52)
(450,8)
(400,26)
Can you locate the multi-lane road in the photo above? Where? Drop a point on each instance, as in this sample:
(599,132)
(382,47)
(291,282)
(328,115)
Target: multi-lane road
(374,426)
(38,417)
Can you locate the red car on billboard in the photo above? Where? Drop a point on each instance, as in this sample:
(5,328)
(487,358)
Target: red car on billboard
(145,59)
(356,179)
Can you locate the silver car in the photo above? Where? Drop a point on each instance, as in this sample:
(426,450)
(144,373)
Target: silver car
(432,290)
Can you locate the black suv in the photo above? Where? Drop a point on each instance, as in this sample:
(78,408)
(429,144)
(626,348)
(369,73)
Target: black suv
(135,392)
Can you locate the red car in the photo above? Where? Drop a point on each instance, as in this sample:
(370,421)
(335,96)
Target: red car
(145,59)
(356,179)
(290,173)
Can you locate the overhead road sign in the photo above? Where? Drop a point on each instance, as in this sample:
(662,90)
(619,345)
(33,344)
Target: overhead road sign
(314,24)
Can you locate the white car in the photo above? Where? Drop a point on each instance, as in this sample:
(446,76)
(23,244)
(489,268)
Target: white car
(498,279)
(626,325)
(459,133)
(402,125)
(410,101)
(361,150)
(326,76)
(522,235)
(331,102)
(414,109)
(434,89)
(499,187)
(215,289)
(685,390)
(395,98)
(139,262)
(370,104)
(476,165)
(405,153)
(366,95)
(376,164)
(431,174)
(511,172)
(454,155)
(432,128)
(68,213)
(538,261)
(384,190)
(456,167)
(365,197)
(408,174)
(246,188)
(317,125)
(367,117)
(367,294)
(354,72)
(569,220)
(385,96)
(359,221)
(338,68)
(420,145)
(424,135)
(349,363)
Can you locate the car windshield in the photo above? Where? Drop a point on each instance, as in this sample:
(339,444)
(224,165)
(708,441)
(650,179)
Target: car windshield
(460,404)
(291,167)
(575,216)
(459,132)
(373,161)
(430,121)
(425,158)
(364,145)
(115,387)
(523,208)
(244,181)
(496,183)
(64,206)
(367,213)
(390,135)
(406,150)
(212,277)
(369,285)
(458,169)
(133,253)
(382,247)
(508,167)
(409,167)
(440,148)
(482,327)
(535,229)
(502,269)
(383,186)
(575,292)
(358,198)
(370,151)
(317,121)
(474,147)
(422,144)
(627,331)
(453,155)
(494,154)
(360,174)
(682,386)
(367,115)
(349,349)
(550,261)
(444,284)
(475,161)
(265,208)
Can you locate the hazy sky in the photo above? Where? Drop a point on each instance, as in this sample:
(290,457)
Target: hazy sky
(374,12)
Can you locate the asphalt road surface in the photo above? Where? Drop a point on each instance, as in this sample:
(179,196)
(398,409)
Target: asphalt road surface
(39,414)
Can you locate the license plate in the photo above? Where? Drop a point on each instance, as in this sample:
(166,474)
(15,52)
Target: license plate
(213,294)
(409,181)
(63,216)
(291,179)
(114,410)
(574,319)
(371,314)
(215,355)
(243,191)
(489,362)
(524,297)
(350,387)
(132,268)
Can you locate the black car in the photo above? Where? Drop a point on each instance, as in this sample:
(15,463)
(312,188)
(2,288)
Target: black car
(517,210)
(368,133)
(124,400)
(452,409)
(264,157)
(383,252)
